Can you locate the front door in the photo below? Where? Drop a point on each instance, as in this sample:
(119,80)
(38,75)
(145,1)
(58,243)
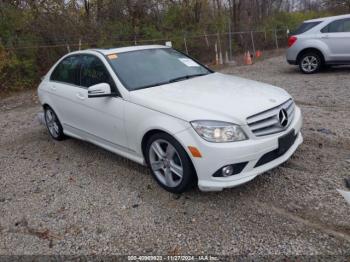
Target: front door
(103,117)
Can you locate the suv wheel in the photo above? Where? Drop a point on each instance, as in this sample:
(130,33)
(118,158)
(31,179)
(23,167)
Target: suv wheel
(310,63)
(169,163)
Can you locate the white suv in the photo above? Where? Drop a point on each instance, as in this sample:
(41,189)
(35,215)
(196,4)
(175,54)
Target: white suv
(158,107)
(318,42)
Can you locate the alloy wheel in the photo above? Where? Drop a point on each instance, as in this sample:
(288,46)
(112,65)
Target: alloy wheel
(52,123)
(165,162)
(309,64)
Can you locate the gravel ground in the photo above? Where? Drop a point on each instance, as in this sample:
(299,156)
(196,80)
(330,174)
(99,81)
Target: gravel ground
(72,197)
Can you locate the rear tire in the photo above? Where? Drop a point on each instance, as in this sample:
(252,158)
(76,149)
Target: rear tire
(53,124)
(310,63)
(169,163)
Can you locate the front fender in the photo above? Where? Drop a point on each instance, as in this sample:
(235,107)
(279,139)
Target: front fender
(140,120)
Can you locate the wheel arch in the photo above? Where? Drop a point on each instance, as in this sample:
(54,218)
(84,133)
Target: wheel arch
(147,136)
(59,133)
(48,105)
(152,132)
(311,49)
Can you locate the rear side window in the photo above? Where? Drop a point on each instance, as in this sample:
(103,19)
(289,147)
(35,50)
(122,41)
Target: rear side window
(67,71)
(304,27)
(94,72)
(338,26)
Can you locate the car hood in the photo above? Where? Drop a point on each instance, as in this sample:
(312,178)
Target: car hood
(212,97)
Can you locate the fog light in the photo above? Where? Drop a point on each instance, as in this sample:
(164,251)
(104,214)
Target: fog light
(230,170)
(227,171)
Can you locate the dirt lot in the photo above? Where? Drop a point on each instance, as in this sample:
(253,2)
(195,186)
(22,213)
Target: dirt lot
(71,197)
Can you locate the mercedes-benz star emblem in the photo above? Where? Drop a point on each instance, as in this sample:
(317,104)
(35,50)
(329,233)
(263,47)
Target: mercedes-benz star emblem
(283,118)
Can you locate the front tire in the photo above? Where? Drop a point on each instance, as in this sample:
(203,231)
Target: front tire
(169,163)
(310,63)
(53,124)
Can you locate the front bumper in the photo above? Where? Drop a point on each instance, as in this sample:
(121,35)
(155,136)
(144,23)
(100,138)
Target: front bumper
(218,155)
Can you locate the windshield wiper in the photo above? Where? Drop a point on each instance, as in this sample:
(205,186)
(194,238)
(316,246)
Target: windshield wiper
(177,79)
(152,85)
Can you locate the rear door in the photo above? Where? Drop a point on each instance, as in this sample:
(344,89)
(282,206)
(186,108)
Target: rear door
(336,35)
(64,88)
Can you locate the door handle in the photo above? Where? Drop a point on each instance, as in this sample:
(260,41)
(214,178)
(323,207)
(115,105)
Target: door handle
(80,96)
(53,87)
(325,36)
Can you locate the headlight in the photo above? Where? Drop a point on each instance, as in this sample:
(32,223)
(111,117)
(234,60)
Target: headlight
(219,132)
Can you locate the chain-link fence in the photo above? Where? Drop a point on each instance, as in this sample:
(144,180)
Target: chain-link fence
(222,48)
(29,59)
(217,48)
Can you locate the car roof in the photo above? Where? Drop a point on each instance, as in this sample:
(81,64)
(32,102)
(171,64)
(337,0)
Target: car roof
(110,51)
(329,18)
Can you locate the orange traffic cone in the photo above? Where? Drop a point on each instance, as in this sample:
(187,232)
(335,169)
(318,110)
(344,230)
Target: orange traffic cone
(249,59)
(258,54)
(245,58)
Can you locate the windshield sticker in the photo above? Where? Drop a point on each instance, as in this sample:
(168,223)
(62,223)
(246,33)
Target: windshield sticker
(112,56)
(189,62)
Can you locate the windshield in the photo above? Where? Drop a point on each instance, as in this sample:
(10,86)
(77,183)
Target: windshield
(304,27)
(152,67)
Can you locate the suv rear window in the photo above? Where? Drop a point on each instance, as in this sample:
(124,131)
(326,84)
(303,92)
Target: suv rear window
(304,27)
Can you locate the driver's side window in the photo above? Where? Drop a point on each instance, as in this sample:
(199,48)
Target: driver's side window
(94,72)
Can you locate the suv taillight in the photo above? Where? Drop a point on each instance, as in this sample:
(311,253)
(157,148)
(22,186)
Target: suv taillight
(291,40)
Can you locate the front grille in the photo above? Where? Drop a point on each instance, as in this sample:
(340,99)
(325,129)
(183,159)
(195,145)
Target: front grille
(267,122)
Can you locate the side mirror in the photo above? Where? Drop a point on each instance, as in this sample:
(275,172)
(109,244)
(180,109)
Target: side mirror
(99,90)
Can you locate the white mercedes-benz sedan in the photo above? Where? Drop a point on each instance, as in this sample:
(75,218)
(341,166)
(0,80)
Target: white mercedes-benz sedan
(161,108)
